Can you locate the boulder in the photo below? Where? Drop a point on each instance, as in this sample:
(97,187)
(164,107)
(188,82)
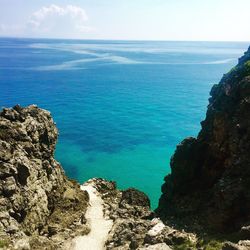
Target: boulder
(135,197)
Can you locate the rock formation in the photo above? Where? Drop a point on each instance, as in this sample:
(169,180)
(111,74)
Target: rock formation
(37,202)
(210,179)
(134,224)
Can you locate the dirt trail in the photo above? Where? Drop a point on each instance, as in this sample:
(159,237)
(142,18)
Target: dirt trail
(99,226)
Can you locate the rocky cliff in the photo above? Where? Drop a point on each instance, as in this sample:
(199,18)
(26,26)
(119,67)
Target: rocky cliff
(134,225)
(210,175)
(38,204)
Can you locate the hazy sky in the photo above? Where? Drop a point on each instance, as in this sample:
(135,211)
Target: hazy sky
(217,20)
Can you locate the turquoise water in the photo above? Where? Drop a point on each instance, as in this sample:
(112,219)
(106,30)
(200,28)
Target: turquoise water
(121,107)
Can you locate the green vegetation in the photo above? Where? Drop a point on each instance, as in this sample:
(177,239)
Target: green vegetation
(247,65)
(234,69)
(186,245)
(240,71)
(4,243)
(203,243)
(213,245)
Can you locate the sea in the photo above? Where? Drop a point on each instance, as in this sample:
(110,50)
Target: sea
(121,107)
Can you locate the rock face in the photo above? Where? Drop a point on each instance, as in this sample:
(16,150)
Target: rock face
(37,201)
(134,224)
(210,178)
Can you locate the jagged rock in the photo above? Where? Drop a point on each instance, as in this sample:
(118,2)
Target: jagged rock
(244,233)
(134,225)
(134,197)
(9,186)
(157,228)
(22,244)
(160,246)
(242,245)
(245,243)
(231,246)
(210,178)
(36,198)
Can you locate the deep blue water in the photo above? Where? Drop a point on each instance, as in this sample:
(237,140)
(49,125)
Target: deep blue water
(121,107)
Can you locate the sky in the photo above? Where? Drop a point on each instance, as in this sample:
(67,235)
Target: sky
(188,20)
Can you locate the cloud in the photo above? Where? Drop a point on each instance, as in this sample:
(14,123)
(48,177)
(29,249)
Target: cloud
(59,21)
(51,21)
(74,13)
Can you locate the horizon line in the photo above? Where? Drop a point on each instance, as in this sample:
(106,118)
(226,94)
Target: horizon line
(115,39)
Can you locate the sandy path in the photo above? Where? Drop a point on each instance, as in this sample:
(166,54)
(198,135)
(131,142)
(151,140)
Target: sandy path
(100,226)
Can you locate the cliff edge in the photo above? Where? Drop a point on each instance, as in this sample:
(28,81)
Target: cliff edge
(210,175)
(38,203)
